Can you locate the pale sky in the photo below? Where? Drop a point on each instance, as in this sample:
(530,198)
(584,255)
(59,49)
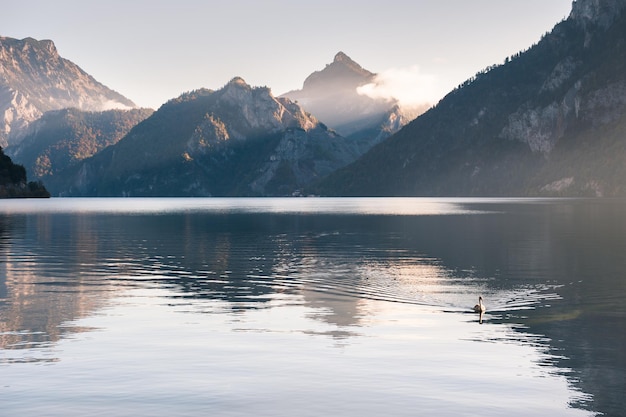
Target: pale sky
(153,50)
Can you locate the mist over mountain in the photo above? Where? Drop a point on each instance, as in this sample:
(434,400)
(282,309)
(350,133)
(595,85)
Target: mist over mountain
(61,138)
(332,96)
(235,141)
(549,121)
(34,79)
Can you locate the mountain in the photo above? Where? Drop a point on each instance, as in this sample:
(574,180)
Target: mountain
(331,95)
(236,141)
(549,121)
(382,127)
(61,138)
(34,79)
(13,182)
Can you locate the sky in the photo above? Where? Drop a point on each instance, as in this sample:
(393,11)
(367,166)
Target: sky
(153,50)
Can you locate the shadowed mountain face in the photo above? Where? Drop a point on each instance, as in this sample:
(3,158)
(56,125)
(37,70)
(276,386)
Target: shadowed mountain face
(549,121)
(61,138)
(238,140)
(34,79)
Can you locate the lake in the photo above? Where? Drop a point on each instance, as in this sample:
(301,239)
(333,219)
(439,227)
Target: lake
(312,307)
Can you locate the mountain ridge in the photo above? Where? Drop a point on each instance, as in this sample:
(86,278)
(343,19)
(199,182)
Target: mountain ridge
(349,75)
(331,95)
(238,140)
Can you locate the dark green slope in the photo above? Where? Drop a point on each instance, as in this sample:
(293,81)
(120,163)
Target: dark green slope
(13,182)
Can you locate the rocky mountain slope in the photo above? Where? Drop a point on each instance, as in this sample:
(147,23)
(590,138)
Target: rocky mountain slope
(61,138)
(238,140)
(331,95)
(549,121)
(34,79)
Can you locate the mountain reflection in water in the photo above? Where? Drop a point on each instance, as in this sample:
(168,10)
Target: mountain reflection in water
(552,270)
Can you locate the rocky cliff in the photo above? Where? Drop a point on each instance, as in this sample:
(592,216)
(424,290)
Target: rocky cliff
(34,79)
(596,13)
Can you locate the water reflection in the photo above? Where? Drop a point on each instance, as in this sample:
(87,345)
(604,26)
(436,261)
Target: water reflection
(60,267)
(45,284)
(575,247)
(4,247)
(551,273)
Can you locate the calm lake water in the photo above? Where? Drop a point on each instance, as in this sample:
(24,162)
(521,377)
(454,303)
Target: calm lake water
(312,307)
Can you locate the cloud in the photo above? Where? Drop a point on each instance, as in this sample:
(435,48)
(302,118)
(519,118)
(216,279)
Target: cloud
(114,105)
(408,86)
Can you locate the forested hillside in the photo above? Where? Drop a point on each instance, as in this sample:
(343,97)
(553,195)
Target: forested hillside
(549,121)
(13,182)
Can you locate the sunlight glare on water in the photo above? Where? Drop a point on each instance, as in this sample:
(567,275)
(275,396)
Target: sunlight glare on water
(359,206)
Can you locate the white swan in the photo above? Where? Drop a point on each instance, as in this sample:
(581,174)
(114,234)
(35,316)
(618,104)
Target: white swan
(480,307)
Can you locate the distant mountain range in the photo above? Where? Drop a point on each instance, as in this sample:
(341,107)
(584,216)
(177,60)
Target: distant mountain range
(34,79)
(550,121)
(54,144)
(235,141)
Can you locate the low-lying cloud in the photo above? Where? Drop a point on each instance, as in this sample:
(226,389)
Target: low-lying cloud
(114,105)
(408,86)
